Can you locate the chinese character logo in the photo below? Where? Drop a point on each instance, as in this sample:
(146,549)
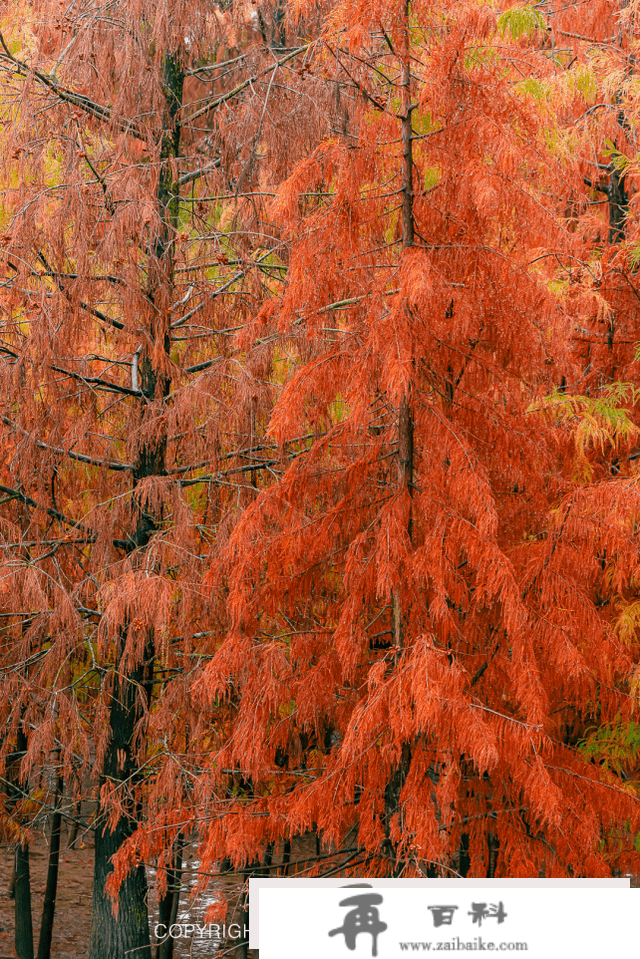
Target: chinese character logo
(480,911)
(442,915)
(363,917)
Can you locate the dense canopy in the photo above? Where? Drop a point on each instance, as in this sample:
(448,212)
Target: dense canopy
(319,490)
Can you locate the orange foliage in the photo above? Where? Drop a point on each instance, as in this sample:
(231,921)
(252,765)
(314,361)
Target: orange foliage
(442,752)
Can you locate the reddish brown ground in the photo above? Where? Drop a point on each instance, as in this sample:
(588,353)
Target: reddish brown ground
(73,908)
(73,912)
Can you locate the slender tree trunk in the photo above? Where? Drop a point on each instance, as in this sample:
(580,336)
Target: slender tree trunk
(127,934)
(405,428)
(267,860)
(405,449)
(22,904)
(464,860)
(286,856)
(405,418)
(392,804)
(73,835)
(243,921)
(169,904)
(405,415)
(618,205)
(494,848)
(49,904)
(279,33)
(406,135)
(257,868)
(22,878)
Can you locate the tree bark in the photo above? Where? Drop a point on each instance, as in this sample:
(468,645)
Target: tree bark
(493,844)
(618,206)
(117,937)
(73,834)
(405,415)
(392,805)
(286,856)
(169,904)
(49,904)
(23,937)
(242,948)
(22,904)
(405,431)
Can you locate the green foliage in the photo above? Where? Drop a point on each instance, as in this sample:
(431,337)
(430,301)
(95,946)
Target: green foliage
(599,422)
(634,261)
(424,122)
(521,22)
(615,746)
(538,89)
(628,622)
(481,55)
(432,177)
(584,81)
(618,160)
(338,410)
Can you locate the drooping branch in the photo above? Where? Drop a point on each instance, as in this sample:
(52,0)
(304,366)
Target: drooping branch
(217,101)
(81,457)
(79,100)
(28,501)
(99,315)
(100,383)
(195,174)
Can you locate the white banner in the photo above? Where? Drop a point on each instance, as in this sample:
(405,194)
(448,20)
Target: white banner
(355,919)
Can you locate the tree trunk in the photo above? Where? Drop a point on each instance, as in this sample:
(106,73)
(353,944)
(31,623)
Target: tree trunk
(22,904)
(267,860)
(170,903)
(392,805)
(493,844)
(49,904)
(286,856)
(11,888)
(256,868)
(117,937)
(243,921)
(73,834)
(405,415)
(128,934)
(22,879)
(618,206)
(405,430)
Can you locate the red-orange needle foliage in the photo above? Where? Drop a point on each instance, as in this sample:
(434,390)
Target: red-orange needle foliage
(419,639)
(422,610)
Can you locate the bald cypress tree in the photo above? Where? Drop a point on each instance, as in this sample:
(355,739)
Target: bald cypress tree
(139,145)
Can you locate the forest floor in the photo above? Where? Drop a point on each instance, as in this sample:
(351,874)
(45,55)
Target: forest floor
(73,909)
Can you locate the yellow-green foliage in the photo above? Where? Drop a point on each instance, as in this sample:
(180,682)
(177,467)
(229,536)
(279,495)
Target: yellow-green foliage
(521,22)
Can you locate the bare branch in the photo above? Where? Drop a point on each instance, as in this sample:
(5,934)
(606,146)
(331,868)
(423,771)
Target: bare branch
(100,383)
(247,83)
(76,99)
(123,467)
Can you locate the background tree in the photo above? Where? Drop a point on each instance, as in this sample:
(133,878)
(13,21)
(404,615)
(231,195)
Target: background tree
(138,146)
